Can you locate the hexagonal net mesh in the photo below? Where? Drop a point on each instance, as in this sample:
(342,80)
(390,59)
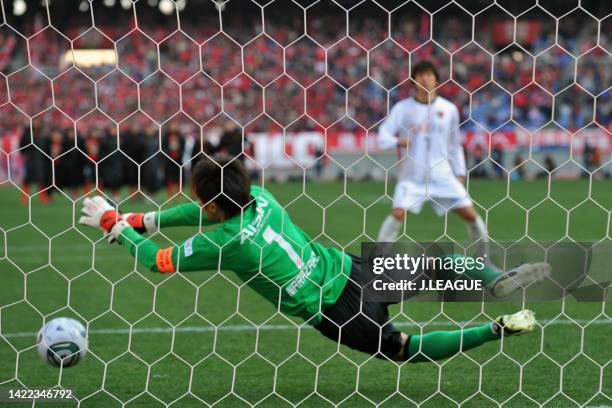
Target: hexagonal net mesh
(123,98)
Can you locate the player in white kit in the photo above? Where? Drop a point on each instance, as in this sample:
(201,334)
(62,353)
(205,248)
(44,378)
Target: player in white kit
(426,127)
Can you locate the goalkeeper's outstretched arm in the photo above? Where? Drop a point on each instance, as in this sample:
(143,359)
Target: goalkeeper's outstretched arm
(188,214)
(201,252)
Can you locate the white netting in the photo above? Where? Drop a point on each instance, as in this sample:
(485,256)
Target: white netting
(300,87)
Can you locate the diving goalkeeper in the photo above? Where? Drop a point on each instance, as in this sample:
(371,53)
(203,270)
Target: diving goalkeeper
(257,239)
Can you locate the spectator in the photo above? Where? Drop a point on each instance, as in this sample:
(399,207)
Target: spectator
(518,173)
(35,149)
(173,144)
(478,170)
(150,169)
(131,143)
(588,153)
(72,163)
(497,154)
(111,166)
(549,166)
(231,141)
(56,149)
(92,151)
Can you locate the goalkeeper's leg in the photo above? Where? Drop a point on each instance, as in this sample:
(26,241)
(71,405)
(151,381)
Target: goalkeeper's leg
(365,326)
(439,345)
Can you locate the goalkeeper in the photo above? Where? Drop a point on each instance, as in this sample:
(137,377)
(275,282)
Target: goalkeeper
(256,238)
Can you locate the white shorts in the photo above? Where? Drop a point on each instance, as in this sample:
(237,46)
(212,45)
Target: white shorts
(447,194)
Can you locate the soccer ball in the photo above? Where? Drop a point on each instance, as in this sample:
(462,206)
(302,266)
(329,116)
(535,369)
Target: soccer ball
(62,342)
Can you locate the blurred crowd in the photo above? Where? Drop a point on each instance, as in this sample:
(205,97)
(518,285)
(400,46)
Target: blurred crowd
(351,73)
(185,79)
(137,158)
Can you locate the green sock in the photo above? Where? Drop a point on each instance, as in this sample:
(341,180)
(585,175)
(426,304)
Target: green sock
(487,274)
(439,345)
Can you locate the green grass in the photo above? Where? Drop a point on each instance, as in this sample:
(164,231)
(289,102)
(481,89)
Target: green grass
(50,268)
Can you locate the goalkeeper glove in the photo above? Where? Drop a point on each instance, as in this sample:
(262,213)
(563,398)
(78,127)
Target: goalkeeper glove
(117,229)
(142,222)
(98,213)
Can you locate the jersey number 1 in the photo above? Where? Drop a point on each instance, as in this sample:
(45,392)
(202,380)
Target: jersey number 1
(272,236)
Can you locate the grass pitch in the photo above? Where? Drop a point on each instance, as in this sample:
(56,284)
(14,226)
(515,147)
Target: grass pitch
(230,348)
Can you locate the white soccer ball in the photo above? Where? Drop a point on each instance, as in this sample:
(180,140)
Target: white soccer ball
(62,342)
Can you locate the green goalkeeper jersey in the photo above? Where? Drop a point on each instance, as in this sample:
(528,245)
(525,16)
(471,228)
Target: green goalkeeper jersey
(263,246)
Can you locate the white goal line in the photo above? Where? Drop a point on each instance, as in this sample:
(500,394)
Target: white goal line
(247,327)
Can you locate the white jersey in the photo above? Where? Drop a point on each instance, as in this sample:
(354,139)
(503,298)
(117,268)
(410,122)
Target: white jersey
(434,151)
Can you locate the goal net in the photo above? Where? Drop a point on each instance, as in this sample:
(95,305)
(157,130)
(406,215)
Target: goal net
(122,98)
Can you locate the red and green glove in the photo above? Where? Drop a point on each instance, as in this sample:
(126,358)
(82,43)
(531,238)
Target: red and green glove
(98,213)
(142,222)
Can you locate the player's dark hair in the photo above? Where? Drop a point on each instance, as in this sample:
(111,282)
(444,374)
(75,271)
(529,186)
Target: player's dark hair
(223,180)
(425,66)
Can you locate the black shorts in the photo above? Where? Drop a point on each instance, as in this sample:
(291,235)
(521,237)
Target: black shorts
(362,326)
